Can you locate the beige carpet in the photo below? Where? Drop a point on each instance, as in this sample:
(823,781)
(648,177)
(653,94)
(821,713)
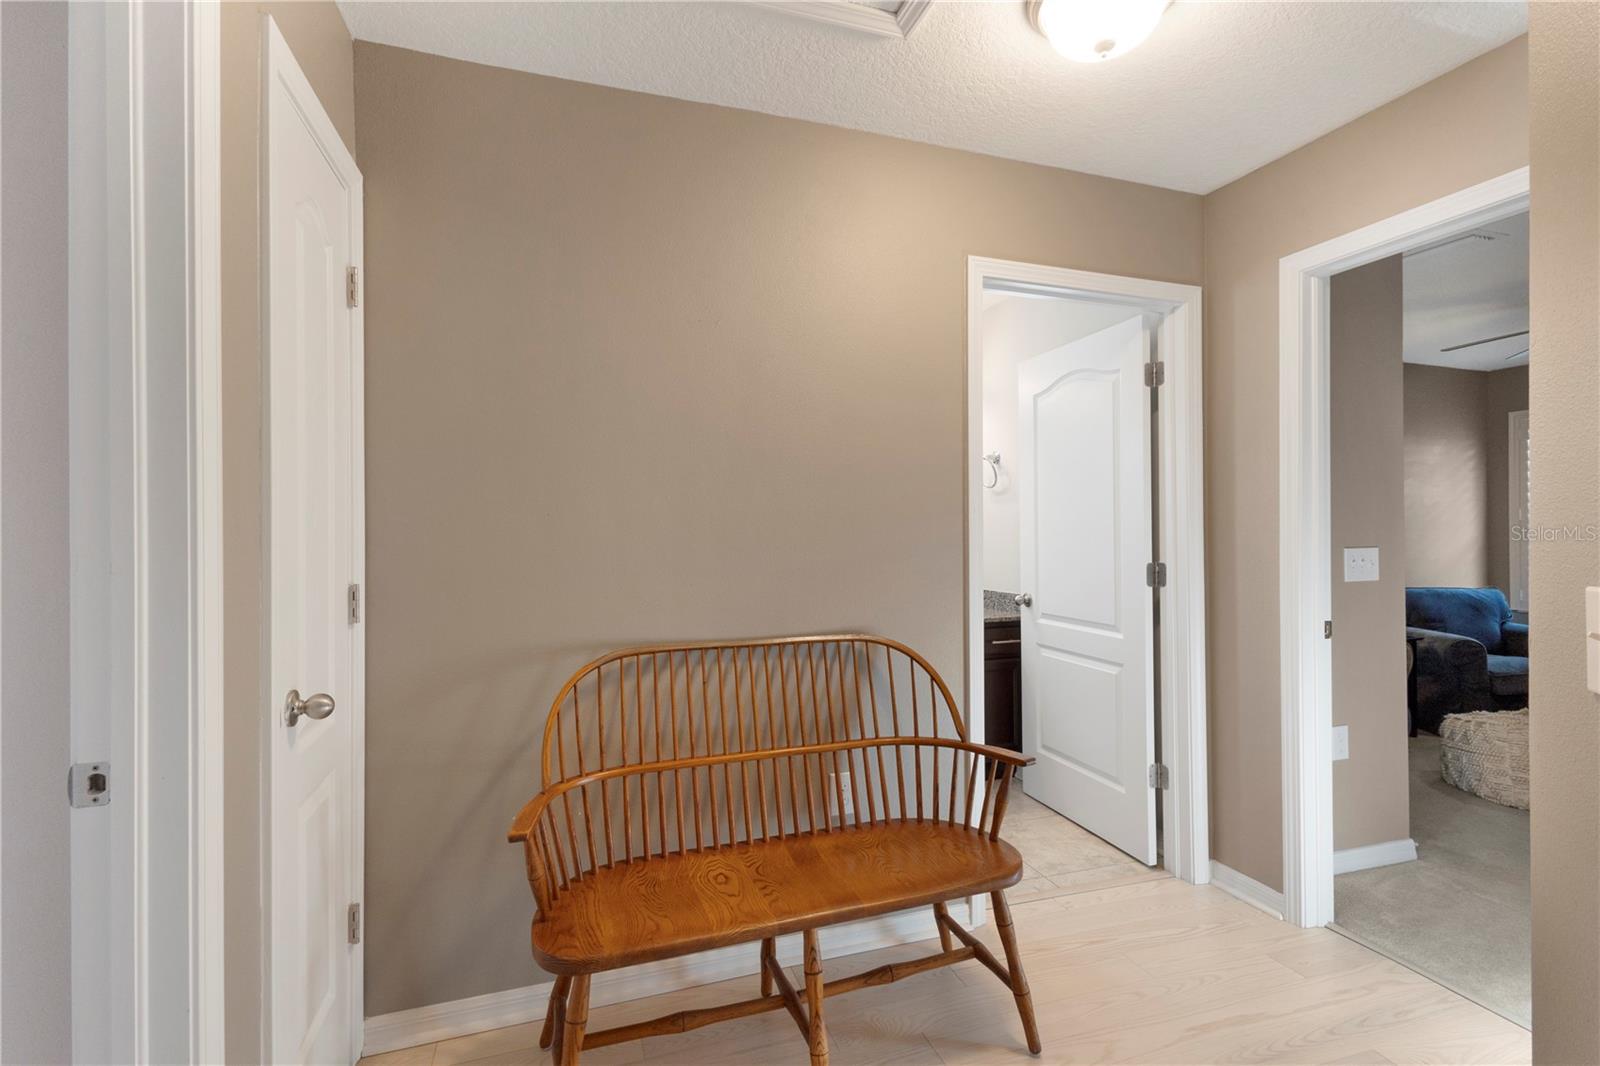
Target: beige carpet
(1461,912)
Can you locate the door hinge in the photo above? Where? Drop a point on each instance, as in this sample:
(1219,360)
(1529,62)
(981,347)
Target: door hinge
(1327,630)
(353,603)
(1159,777)
(354,926)
(352,286)
(1155,575)
(1155,374)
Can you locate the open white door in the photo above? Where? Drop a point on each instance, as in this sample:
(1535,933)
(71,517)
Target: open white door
(1088,691)
(312,234)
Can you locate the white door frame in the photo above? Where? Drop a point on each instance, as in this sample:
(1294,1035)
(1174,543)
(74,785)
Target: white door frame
(205,213)
(278,63)
(145,369)
(1185,806)
(1304,577)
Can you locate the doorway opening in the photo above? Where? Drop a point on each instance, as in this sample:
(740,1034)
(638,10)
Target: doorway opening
(1085,586)
(1429,356)
(1311,557)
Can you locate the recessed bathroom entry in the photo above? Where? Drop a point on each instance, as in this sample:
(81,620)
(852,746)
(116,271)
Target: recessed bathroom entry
(1085,589)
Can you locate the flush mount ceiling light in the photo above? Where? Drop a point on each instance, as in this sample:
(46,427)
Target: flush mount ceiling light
(1090,31)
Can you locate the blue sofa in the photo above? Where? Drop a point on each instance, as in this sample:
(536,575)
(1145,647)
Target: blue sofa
(1470,655)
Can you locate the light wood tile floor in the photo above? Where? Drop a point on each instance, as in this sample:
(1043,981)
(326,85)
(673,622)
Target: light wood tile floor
(1126,965)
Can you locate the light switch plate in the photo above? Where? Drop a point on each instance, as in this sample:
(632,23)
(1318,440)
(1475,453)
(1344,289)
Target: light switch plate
(1361,564)
(1341,742)
(1591,636)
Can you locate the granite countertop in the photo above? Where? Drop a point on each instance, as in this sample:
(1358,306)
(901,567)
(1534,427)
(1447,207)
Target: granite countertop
(999,607)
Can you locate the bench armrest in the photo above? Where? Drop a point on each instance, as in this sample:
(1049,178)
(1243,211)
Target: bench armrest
(542,847)
(522,825)
(1005,755)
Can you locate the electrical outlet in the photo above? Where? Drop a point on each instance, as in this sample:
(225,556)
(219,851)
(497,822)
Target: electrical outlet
(1341,742)
(839,789)
(1361,564)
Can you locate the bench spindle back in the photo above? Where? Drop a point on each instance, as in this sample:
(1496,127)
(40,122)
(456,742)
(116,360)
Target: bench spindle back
(665,750)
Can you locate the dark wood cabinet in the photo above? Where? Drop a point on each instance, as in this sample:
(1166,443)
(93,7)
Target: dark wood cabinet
(1002,684)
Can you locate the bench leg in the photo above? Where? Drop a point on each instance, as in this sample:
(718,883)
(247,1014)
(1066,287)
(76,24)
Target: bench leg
(1019,982)
(559,1029)
(575,1017)
(552,1013)
(816,1035)
(940,913)
(769,952)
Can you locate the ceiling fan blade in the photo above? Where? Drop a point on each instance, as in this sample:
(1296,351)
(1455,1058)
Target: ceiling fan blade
(1486,340)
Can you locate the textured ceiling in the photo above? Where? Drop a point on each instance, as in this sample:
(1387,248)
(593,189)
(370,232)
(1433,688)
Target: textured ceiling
(1465,291)
(1217,91)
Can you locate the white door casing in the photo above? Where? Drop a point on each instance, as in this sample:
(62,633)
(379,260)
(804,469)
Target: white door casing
(1181,664)
(1088,680)
(1304,577)
(144,369)
(311,222)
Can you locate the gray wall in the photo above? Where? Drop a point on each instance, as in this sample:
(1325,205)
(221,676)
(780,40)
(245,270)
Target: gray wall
(35,928)
(643,369)
(1371,797)
(1564,290)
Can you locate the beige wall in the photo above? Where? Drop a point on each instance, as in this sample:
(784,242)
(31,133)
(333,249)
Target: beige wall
(644,369)
(1446,477)
(1505,391)
(1458,529)
(1465,127)
(1371,798)
(317,35)
(1565,387)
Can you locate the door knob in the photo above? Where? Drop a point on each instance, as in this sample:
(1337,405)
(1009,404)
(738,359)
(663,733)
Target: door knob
(295,708)
(1022,599)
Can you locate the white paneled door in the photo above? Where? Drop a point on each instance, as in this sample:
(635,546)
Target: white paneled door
(1088,688)
(312,213)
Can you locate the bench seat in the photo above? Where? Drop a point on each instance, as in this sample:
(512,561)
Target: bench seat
(663,907)
(755,748)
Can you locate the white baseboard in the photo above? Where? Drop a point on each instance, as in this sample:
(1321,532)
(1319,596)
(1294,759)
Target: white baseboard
(495,1010)
(1247,889)
(440,1021)
(1371,856)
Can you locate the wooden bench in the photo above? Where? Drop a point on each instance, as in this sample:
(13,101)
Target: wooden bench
(702,795)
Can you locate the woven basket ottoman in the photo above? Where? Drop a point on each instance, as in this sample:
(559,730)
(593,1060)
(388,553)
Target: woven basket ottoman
(1486,753)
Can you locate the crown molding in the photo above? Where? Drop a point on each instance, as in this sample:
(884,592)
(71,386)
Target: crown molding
(858,17)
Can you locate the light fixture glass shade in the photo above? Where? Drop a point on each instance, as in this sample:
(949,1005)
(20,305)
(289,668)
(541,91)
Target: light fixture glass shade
(1090,31)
